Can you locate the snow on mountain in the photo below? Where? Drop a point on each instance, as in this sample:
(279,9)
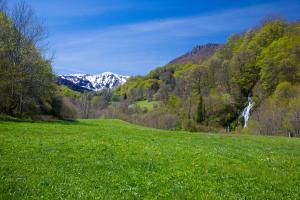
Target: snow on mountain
(81,82)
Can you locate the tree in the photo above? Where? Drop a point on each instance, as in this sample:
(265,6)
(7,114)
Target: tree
(31,30)
(100,101)
(7,93)
(200,111)
(85,106)
(293,119)
(63,108)
(280,62)
(29,81)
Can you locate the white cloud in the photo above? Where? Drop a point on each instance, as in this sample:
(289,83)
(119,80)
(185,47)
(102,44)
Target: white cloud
(140,46)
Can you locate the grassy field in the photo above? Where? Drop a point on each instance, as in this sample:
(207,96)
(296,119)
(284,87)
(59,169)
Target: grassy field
(111,159)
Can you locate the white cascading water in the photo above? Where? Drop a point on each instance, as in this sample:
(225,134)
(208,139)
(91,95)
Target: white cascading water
(246,111)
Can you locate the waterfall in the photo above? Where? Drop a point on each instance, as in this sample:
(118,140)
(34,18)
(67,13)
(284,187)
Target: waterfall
(247,109)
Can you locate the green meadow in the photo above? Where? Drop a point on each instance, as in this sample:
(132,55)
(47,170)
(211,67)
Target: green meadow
(112,159)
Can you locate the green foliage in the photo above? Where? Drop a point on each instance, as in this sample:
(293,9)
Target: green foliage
(67,92)
(184,69)
(173,102)
(263,62)
(283,92)
(27,85)
(149,105)
(269,33)
(280,62)
(258,61)
(111,159)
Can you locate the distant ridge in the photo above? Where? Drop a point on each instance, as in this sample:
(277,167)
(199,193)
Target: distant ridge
(87,82)
(197,54)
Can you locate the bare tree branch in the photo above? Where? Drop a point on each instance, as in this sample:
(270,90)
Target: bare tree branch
(26,23)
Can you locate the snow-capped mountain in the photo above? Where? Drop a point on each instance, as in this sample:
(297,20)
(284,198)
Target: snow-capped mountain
(81,82)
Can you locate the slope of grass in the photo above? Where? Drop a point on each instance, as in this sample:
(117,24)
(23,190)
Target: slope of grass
(149,105)
(111,159)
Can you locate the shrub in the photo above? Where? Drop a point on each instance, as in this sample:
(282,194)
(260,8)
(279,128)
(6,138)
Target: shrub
(64,109)
(293,119)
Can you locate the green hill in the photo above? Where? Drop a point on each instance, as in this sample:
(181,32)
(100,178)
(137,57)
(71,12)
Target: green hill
(111,159)
(262,63)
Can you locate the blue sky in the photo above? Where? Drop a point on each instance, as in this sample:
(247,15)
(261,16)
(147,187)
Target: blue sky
(133,37)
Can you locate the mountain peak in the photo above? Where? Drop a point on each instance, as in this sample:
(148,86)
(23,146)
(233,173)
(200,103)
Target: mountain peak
(88,82)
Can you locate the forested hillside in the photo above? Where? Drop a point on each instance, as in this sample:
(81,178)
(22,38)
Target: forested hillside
(262,63)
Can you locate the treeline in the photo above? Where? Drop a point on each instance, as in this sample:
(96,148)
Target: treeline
(263,63)
(27,86)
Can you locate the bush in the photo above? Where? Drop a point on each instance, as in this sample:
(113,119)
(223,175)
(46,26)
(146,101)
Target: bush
(279,114)
(64,109)
(156,119)
(269,118)
(293,119)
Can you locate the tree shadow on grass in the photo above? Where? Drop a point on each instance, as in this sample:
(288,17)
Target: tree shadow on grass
(6,118)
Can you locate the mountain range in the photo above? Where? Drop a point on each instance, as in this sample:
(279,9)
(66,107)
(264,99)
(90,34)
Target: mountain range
(87,82)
